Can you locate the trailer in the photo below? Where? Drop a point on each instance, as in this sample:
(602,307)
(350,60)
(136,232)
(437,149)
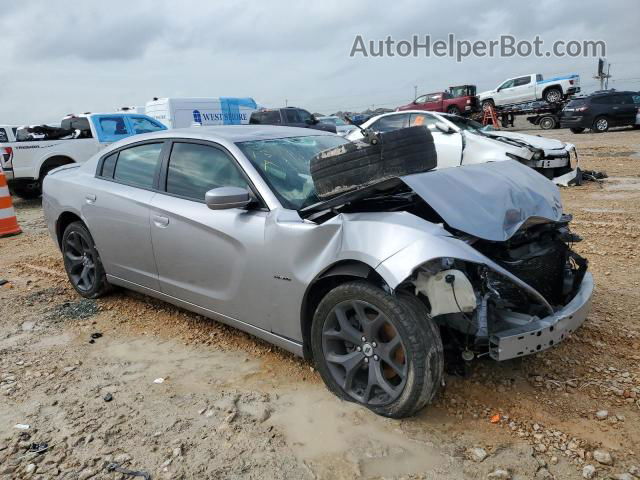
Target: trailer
(544,114)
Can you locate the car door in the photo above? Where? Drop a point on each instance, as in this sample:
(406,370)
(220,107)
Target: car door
(209,258)
(117,212)
(625,109)
(523,89)
(448,145)
(504,93)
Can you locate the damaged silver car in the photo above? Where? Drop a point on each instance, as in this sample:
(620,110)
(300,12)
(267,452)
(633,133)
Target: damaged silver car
(372,284)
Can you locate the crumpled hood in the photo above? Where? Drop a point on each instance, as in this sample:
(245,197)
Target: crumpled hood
(533,140)
(491,200)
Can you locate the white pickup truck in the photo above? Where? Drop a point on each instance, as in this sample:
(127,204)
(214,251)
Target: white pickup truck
(530,88)
(29,153)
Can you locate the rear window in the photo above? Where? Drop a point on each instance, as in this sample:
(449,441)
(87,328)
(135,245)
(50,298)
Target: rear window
(137,165)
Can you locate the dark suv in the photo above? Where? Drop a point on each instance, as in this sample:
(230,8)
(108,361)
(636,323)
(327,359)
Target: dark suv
(290,117)
(600,111)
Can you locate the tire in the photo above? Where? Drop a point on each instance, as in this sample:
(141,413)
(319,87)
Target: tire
(80,255)
(553,95)
(352,166)
(600,124)
(453,110)
(412,372)
(487,103)
(547,123)
(27,191)
(577,129)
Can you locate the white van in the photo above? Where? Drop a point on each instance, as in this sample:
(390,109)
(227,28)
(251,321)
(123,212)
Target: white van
(185,112)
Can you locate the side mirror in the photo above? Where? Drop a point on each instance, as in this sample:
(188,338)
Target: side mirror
(223,198)
(444,128)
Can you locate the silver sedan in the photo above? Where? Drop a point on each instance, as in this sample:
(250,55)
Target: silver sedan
(372,284)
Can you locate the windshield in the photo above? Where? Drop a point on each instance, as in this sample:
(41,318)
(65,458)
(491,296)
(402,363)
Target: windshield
(284,164)
(469,125)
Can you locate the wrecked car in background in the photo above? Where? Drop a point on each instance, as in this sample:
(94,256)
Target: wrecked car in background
(371,282)
(462,141)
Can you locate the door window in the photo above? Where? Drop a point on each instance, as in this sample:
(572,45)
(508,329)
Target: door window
(421,99)
(3,135)
(291,114)
(137,165)
(111,128)
(428,121)
(109,165)
(144,125)
(194,169)
(507,84)
(390,123)
(305,117)
(520,81)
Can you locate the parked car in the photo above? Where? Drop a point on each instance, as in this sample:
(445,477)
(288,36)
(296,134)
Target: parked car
(291,117)
(600,111)
(443,102)
(342,127)
(462,141)
(529,88)
(184,112)
(38,149)
(225,221)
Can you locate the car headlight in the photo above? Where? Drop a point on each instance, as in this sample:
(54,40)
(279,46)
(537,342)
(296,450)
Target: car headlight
(538,155)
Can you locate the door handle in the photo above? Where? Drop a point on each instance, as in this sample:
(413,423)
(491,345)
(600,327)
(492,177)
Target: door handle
(90,198)
(160,221)
(616,108)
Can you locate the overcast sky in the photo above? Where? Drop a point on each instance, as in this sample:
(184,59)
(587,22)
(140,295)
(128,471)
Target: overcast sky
(59,56)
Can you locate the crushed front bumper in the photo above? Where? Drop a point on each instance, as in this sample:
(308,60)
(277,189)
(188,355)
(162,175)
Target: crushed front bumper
(544,333)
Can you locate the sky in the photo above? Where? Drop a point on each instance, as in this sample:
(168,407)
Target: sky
(75,56)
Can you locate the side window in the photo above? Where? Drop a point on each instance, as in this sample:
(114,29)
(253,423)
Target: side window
(627,99)
(3,135)
(421,99)
(604,100)
(519,82)
(428,121)
(507,84)
(636,99)
(304,116)
(111,128)
(291,114)
(195,169)
(144,125)
(390,123)
(616,99)
(109,165)
(137,165)
(539,77)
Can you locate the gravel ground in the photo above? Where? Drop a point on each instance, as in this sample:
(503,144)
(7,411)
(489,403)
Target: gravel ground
(131,381)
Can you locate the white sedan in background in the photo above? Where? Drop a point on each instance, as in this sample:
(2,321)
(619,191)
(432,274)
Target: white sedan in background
(462,141)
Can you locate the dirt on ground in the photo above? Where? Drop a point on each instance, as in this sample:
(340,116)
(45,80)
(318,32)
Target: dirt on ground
(135,383)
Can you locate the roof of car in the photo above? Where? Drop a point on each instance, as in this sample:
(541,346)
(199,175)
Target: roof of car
(234,133)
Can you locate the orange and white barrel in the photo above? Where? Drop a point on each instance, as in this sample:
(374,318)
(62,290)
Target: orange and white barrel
(8,221)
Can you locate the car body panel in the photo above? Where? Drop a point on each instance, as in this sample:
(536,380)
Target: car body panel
(254,269)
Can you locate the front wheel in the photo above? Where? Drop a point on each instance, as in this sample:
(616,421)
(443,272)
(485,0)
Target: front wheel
(453,110)
(82,262)
(380,350)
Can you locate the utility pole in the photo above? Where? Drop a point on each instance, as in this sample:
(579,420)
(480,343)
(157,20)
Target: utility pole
(415,92)
(286,102)
(603,77)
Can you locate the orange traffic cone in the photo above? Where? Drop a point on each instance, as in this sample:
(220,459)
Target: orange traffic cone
(8,221)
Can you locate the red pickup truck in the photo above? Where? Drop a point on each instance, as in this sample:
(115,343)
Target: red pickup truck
(459,100)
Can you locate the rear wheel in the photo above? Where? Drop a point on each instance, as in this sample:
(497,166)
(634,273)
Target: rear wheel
(553,95)
(576,129)
(82,262)
(600,125)
(376,349)
(547,123)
